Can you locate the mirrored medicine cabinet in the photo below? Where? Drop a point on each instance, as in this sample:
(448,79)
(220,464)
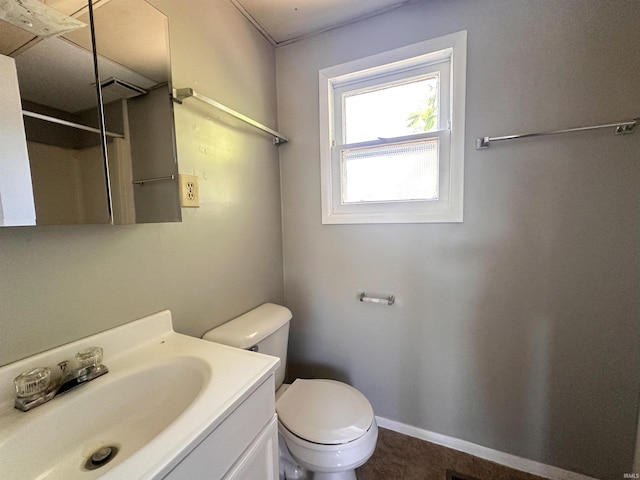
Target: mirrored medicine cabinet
(75,168)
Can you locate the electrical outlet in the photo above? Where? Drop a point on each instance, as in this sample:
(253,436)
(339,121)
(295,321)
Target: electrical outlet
(189,191)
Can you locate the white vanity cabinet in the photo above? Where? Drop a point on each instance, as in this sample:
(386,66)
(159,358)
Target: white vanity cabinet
(243,447)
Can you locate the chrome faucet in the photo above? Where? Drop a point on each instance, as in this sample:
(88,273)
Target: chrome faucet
(35,387)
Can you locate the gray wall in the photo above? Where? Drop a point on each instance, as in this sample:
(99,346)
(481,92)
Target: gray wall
(519,329)
(58,284)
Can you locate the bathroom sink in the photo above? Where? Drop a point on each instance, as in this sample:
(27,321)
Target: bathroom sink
(126,410)
(164,392)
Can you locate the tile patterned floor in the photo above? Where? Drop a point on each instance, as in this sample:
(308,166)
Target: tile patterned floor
(399,457)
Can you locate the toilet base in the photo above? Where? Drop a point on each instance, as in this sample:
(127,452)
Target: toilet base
(290,469)
(349,475)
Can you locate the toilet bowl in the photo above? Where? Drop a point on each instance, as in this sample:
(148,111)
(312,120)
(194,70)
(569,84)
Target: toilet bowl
(326,428)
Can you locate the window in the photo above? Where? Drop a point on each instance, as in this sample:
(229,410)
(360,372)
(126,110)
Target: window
(392,135)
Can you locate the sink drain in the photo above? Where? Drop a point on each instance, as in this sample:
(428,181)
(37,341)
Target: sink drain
(101,457)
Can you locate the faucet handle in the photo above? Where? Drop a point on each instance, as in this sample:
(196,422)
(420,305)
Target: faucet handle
(33,382)
(89,357)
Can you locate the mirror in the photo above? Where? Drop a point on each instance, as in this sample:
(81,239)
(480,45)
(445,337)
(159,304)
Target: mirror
(70,180)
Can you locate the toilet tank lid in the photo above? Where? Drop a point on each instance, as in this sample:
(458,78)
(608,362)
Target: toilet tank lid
(254,326)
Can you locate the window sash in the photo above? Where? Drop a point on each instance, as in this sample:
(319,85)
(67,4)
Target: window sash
(409,207)
(442,68)
(390,173)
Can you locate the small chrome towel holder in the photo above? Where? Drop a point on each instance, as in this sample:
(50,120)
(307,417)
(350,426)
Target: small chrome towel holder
(389,300)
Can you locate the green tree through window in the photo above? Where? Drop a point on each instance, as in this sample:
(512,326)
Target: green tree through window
(425,119)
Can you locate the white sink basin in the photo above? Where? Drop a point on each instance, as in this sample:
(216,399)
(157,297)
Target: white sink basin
(164,392)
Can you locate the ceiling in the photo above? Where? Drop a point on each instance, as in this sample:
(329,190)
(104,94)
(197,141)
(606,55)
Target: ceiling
(44,64)
(286,21)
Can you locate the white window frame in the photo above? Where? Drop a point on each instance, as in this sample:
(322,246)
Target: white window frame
(401,62)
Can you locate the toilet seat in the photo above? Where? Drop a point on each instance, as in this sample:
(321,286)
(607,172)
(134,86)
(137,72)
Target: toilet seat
(324,412)
(316,457)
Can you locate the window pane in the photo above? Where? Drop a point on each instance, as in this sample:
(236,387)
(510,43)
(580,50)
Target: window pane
(387,173)
(391,111)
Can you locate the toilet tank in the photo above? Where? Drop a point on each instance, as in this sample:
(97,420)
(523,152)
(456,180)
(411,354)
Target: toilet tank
(264,329)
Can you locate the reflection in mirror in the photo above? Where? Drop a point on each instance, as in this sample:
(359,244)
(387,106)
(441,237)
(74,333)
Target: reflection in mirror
(132,39)
(59,104)
(70,180)
(16,193)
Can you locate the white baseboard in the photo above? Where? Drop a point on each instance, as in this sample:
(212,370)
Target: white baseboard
(506,459)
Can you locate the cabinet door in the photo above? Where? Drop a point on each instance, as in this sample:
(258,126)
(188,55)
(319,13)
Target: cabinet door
(224,449)
(260,461)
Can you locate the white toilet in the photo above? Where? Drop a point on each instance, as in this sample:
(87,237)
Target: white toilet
(326,428)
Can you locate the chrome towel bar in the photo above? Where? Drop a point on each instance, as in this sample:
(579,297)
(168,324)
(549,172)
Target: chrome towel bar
(620,128)
(181,94)
(66,123)
(156,179)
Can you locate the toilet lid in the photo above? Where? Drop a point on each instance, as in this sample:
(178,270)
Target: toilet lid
(324,411)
